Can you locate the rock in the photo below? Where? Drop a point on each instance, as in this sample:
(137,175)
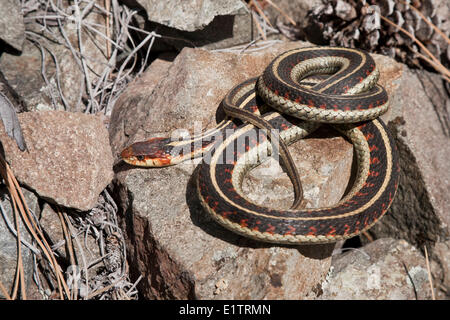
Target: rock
(420,212)
(68,161)
(418,121)
(188,15)
(440,268)
(385,269)
(12,29)
(297,10)
(8,242)
(179,250)
(209,24)
(323,174)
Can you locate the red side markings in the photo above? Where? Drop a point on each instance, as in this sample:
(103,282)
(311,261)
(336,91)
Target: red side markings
(270,229)
(312,232)
(290,231)
(346,229)
(373,174)
(332,232)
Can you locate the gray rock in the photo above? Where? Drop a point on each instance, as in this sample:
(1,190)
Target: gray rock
(12,29)
(69,159)
(8,242)
(385,269)
(208,24)
(188,15)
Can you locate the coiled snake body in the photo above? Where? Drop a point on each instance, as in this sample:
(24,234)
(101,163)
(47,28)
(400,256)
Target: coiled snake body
(349,98)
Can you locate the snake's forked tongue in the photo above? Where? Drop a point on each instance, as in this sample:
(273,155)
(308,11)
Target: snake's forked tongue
(154,152)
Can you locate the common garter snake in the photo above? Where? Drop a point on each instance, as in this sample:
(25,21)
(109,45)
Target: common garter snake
(349,98)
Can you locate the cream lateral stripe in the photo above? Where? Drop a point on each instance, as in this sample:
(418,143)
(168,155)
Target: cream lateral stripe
(202,136)
(351,213)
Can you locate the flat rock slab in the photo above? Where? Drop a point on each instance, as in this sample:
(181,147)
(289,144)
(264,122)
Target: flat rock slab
(180,252)
(188,15)
(69,160)
(12,29)
(385,269)
(191,23)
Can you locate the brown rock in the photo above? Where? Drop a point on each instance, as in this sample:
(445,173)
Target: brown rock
(179,250)
(68,161)
(188,15)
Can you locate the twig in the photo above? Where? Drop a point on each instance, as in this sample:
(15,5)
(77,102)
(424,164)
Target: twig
(258,26)
(430,279)
(69,246)
(20,272)
(80,249)
(14,232)
(255,5)
(4,292)
(434,65)
(122,67)
(441,69)
(16,193)
(108,29)
(282,12)
(442,34)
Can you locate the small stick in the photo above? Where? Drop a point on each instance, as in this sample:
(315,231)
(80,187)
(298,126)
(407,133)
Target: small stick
(261,13)
(429,274)
(108,30)
(443,35)
(421,45)
(282,12)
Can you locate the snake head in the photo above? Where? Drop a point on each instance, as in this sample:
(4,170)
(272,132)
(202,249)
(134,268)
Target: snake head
(154,152)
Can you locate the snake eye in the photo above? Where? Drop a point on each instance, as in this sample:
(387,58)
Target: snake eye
(140,158)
